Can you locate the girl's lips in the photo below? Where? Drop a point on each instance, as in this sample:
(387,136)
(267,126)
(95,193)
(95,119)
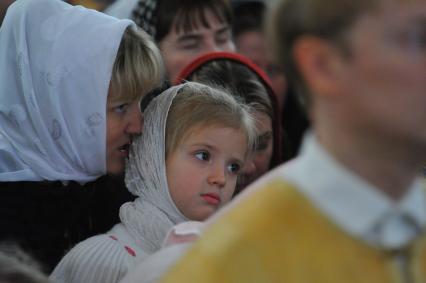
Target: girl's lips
(211,198)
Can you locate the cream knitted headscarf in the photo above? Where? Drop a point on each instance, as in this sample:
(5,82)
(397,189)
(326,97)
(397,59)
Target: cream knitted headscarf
(153,213)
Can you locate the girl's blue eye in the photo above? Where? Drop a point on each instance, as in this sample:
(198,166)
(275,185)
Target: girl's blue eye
(234,168)
(203,155)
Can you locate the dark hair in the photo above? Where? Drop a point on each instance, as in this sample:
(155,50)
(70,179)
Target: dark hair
(187,14)
(248,16)
(249,86)
(146,100)
(239,80)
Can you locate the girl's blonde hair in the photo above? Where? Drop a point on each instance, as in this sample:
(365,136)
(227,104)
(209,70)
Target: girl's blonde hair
(138,66)
(199,105)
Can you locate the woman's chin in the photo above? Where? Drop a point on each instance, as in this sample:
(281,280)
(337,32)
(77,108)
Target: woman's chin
(115,168)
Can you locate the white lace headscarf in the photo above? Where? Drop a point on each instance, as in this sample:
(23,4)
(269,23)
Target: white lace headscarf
(55,69)
(153,213)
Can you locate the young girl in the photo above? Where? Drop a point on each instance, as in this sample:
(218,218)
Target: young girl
(250,84)
(183,167)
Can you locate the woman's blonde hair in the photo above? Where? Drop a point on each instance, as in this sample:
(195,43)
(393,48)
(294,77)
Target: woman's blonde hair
(198,105)
(138,67)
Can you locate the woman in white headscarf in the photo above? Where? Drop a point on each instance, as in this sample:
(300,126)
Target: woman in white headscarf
(70,84)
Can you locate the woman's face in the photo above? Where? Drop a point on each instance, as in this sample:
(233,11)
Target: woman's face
(124,120)
(262,157)
(180,48)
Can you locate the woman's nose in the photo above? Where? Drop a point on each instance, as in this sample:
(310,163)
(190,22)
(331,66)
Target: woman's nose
(135,122)
(249,168)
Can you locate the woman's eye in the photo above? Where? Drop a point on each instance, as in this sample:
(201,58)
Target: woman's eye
(416,39)
(234,168)
(261,146)
(189,44)
(203,155)
(121,108)
(263,142)
(223,38)
(412,38)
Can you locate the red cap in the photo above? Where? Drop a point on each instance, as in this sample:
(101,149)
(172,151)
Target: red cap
(277,157)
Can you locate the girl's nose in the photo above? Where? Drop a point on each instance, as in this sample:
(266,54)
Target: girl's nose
(217,176)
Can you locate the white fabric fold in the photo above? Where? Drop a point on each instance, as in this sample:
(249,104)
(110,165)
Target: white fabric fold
(55,68)
(98,251)
(153,213)
(352,203)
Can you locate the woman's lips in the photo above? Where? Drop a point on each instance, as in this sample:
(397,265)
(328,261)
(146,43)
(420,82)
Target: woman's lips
(211,198)
(124,149)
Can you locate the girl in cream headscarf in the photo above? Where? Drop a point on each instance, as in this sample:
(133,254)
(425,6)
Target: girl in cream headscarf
(183,167)
(70,84)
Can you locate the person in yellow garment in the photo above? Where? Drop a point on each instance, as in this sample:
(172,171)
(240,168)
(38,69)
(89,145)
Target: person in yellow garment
(352,206)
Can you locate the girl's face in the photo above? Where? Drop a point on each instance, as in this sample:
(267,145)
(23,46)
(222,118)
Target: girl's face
(124,120)
(259,165)
(202,170)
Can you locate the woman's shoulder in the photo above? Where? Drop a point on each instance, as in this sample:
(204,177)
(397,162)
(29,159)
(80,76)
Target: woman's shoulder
(101,258)
(40,187)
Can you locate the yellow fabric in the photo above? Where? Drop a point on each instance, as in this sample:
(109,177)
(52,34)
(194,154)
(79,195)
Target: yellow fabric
(91,4)
(276,235)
